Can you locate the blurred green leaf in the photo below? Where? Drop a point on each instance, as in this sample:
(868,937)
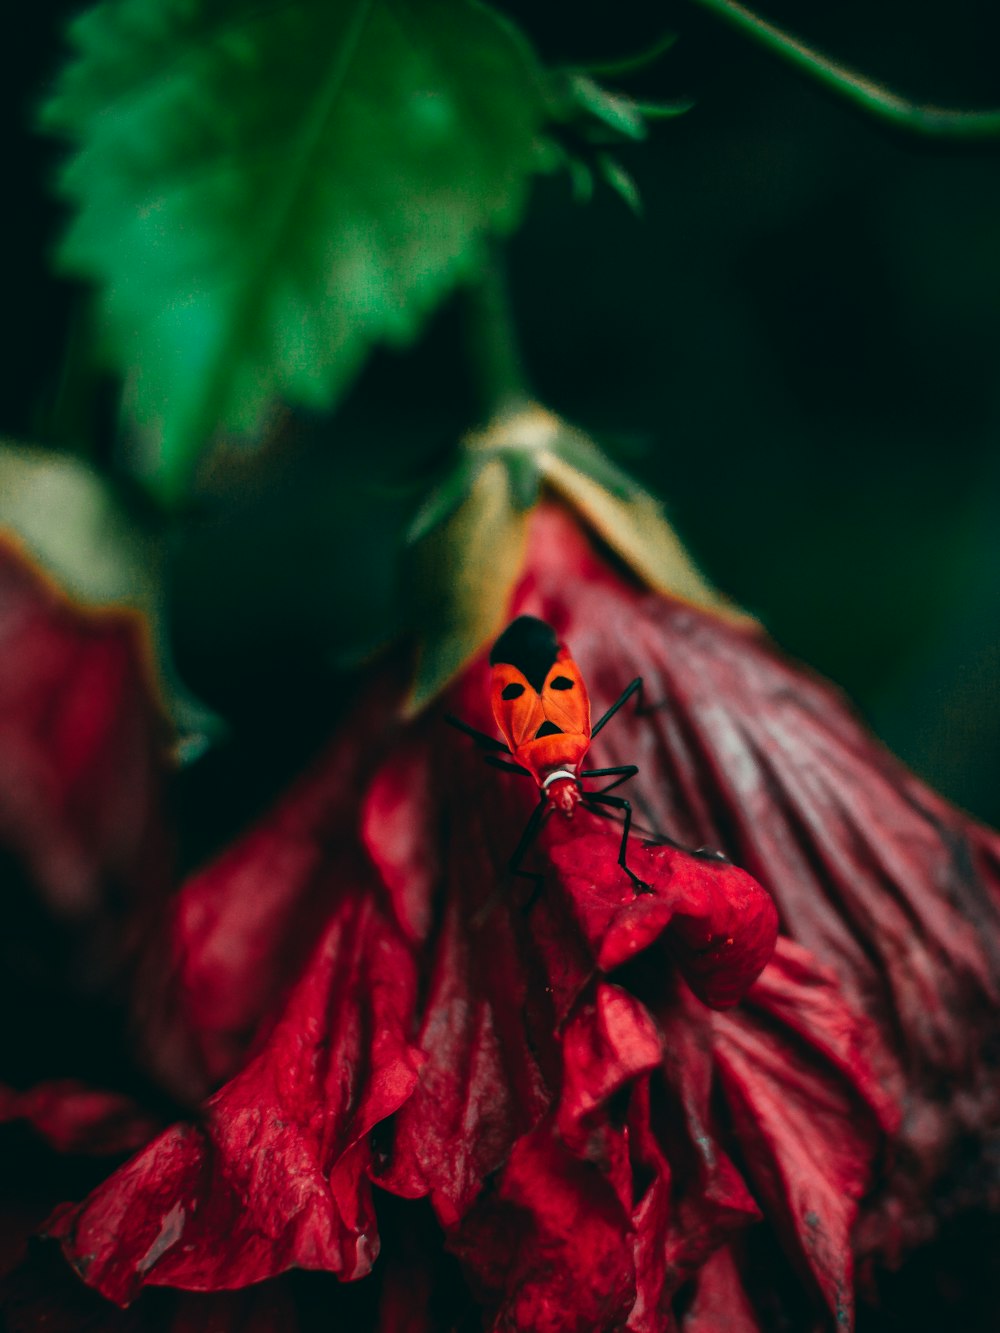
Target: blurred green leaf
(583,455)
(618,112)
(593,119)
(466,569)
(664,110)
(445,499)
(620,181)
(76,528)
(616,69)
(581,179)
(264,191)
(523,477)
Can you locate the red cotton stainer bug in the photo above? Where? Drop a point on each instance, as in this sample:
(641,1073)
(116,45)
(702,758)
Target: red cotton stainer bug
(541,706)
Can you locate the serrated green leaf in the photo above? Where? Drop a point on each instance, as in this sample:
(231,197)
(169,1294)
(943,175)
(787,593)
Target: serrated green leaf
(263,192)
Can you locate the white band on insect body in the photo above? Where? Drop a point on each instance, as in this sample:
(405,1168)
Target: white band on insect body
(554,777)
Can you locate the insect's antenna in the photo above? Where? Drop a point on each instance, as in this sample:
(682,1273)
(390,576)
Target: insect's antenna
(660,839)
(626,694)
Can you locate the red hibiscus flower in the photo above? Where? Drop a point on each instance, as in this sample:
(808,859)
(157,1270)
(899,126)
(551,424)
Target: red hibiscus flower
(586,1108)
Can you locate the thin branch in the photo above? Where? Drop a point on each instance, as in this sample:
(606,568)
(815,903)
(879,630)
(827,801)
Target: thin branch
(947,124)
(492,342)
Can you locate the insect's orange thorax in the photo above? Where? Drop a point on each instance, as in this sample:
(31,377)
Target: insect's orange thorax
(552,754)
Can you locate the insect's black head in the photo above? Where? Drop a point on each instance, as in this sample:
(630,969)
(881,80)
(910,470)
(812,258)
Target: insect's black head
(530,645)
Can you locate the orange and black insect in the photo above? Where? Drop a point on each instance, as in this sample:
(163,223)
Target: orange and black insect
(541,706)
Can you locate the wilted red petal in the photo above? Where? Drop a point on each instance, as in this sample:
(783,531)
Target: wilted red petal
(552,1246)
(720,1304)
(83,763)
(652,1215)
(717,923)
(421,1288)
(876,875)
(806,999)
(274,1175)
(82,749)
(83,851)
(590,1132)
(607,1043)
(44,1294)
(73,1118)
(710,1199)
(808,1137)
(240,930)
(517,1021)
(481,1086)
(399,829)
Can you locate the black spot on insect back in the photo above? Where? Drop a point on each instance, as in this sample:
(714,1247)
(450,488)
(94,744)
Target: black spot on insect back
(548,729)
(530,645)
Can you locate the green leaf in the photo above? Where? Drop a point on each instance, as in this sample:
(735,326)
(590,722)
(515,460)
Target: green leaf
(616,69)
(620,181)
(264,191)
(615,110)
(664,110)
(444,499)
(581,179)
(636,530)
(466,570)
(583,455)
(523,477)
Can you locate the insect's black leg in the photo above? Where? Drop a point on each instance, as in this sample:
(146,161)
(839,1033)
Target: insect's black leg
(623,772)
(520,851)
(494,762)
(623,699)
(629,771)
(661,839)
(527,837)
(642,710)
(480,737)
(620,803)
(514,866)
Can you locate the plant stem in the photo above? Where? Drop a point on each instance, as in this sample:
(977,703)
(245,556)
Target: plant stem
(68,420)
(493,350)
(948,124)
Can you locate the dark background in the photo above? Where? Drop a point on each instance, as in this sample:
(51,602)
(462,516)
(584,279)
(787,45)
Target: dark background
(796,348)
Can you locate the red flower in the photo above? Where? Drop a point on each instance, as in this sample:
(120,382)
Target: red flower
(607,1137)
